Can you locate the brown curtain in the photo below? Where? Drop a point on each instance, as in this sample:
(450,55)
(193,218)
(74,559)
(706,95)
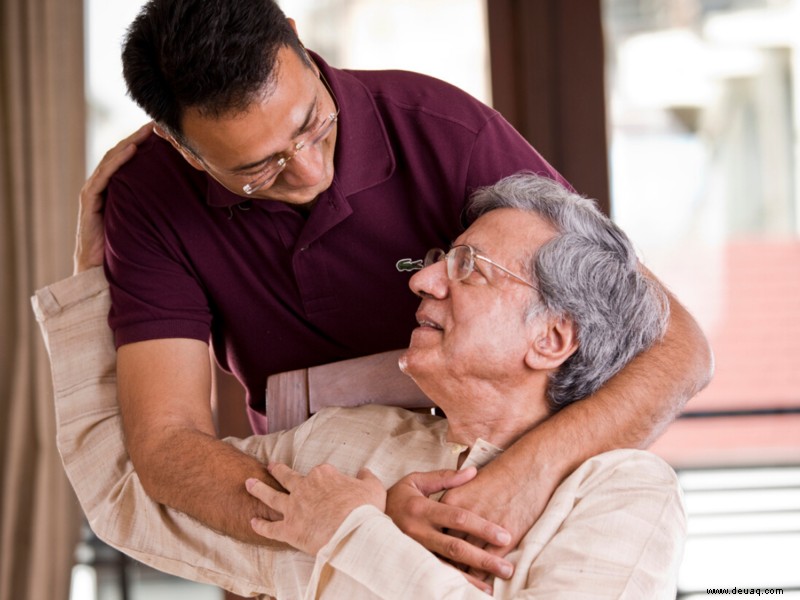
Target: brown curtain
(548,80)
(42,116)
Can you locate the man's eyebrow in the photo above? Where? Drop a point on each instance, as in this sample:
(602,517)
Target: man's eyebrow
(301,129)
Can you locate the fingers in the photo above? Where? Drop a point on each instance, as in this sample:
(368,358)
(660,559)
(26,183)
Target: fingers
(141,134)
(478,543)
(433,482)
(479,583)
(459,519)
(461,552)
(369,477)
(272,530)
(284,475)
(271,498)
(136,138)
(114,159)
(424,519)
(364,474)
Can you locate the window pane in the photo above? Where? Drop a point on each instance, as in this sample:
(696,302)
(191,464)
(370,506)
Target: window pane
(442,38)
(704,167)
(111,114)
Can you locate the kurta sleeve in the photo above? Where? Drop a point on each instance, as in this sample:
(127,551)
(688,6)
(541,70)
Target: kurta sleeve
(72,317)
(369,557)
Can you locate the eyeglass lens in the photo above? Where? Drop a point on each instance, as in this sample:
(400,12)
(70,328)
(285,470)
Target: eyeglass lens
(271,171)
(460,261)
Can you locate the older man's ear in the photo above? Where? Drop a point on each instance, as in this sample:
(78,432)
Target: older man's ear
(553,342)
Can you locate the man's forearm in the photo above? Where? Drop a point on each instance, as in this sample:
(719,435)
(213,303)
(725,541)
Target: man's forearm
(630,411)
(204,477)
(163,390)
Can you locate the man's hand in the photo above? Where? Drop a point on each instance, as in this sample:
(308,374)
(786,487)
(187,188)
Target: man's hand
(316,504)
(504,500)
(424,520)
(90,239)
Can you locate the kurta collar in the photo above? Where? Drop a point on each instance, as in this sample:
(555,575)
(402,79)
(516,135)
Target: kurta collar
(480,455)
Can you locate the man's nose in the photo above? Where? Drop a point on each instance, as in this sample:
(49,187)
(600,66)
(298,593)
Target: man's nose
(431,281)
(307,166)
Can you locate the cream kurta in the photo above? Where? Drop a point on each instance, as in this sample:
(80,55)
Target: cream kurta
(613,529)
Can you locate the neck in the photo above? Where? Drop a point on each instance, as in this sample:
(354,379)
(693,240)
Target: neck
(304,209)
(500,433)
(499,420)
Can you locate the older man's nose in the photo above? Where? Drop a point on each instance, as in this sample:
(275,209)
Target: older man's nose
(430,282)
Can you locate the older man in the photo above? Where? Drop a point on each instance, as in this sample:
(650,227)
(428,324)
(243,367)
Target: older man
(536,305)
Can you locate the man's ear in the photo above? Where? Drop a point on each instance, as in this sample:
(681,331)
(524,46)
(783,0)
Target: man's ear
(188,156)
(554,341)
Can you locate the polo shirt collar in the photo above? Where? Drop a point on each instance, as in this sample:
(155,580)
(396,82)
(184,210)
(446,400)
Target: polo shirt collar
(363,157)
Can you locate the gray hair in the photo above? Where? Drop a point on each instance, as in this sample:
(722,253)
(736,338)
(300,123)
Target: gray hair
(587,273)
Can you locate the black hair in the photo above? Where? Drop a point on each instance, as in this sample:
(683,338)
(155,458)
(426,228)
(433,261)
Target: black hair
(214,55)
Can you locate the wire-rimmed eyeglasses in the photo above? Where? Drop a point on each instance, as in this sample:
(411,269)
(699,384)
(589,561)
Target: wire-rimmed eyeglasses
(461,263)
(318,132)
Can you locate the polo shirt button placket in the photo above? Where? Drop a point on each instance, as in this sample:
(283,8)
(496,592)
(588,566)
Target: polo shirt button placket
(313,282)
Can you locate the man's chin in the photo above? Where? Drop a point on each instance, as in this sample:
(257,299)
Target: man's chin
(303,196)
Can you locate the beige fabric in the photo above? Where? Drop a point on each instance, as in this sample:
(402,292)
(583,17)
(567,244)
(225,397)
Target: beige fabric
(613,529)
(41,170)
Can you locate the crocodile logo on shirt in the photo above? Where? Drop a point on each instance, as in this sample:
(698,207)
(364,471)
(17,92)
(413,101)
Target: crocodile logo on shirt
(407,264)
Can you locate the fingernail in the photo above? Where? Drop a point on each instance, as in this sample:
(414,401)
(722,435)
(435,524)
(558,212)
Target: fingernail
(249,483)
(503,538)
(506,570)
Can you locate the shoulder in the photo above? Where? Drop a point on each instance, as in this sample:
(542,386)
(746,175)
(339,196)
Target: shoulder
(628,480)
(154,153)
(631,467)
(395,90)
(156,175)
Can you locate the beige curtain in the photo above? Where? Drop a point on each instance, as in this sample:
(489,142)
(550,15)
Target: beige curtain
(42,112)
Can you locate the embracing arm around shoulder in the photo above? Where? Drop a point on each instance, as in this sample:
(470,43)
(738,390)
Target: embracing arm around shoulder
(629,411)
(164,391)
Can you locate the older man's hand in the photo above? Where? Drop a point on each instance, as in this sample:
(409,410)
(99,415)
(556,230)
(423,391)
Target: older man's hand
(90,237)
(316,504)
(440,527)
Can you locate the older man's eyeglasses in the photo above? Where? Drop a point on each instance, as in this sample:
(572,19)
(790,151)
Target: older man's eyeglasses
(461,263)
(318,132)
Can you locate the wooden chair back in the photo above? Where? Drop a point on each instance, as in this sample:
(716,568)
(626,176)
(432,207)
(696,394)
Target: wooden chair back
(293,396)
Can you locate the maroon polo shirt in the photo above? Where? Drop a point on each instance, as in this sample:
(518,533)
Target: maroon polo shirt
(275,291)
